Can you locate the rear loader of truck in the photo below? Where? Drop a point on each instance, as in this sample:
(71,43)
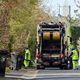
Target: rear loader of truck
(50,46)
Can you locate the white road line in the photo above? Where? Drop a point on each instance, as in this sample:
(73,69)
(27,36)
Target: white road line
(10,76)
(20,77)
(24,76)
(61,74)
(34,75)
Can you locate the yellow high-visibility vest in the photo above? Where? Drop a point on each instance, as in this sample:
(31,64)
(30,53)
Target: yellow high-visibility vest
(75,55)
(27,55)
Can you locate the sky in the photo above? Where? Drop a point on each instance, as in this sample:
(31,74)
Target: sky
(52,6)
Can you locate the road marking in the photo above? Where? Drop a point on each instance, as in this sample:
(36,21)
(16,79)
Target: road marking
(61,74)
(12,76)
(57,75)
(33,75)
(19,77)
(29,75)
(23,76)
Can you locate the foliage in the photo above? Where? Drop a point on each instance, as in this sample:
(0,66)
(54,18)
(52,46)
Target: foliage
(18,22)
(23,22)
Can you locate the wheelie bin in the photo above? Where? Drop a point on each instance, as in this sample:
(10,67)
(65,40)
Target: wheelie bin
(3,55)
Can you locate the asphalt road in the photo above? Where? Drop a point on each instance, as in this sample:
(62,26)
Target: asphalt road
(71,78)
(47,74)
(52,74)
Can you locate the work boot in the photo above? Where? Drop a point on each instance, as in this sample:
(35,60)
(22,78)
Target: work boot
(26,66)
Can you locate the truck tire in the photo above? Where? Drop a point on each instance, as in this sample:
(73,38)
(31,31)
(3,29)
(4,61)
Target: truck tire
(62,67)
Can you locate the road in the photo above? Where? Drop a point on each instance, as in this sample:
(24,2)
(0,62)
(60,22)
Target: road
(47,74)
(51,74)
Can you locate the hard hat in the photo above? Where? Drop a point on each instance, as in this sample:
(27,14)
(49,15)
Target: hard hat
(73,48)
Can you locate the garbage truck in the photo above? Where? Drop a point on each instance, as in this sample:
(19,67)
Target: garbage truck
(51,50)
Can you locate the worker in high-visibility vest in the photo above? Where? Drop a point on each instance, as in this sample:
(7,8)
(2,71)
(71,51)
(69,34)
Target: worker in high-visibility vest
(75,58)
(27,57)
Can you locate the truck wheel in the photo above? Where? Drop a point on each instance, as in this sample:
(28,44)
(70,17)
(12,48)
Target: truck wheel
(61,67)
